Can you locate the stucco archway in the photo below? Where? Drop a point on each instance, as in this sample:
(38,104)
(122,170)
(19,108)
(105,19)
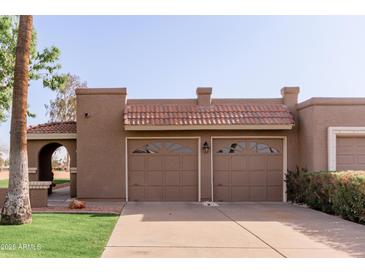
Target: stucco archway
(43,140)
(45,161)
(40,160)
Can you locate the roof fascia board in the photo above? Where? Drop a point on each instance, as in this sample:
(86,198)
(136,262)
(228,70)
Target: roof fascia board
(209,127)
(50,136)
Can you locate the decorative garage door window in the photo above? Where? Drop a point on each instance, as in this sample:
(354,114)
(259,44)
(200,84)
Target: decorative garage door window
(262,148)
(239,147)
(163,147)
(233,148)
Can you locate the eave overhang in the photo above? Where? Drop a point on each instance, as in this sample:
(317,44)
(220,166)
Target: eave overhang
(206,127)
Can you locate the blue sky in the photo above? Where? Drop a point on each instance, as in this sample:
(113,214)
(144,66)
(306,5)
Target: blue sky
(239,56)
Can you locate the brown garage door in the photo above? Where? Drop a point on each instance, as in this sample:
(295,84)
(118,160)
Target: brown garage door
(248,170)
(350,153)
(162,170)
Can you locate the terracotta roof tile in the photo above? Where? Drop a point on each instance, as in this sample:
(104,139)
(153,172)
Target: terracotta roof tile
(240,114)
(55,127)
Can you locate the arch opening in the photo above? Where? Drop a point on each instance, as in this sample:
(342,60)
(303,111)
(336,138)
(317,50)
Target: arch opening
(54,165)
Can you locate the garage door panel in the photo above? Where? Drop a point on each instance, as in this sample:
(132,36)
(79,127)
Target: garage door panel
(274,193)
(275,178)
(238,163)
(136,193)
(137,178)
(350,153)
(351,167)
(344,159)
(137,163)
(274,162)
(221,178)
(155,178)
(345,149)
(189,178)
(222,193)
(239,178)
(360,149)
(189,162)
(258,178)
(172,162)
(221,163)
(172,178)
(154,163)
(189,193)
(154,193)
(172,193)
(341,167)
(361,159)
(257,162)
(240,193)
(258,193)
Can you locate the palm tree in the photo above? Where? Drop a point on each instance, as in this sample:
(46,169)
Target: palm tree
(16,209)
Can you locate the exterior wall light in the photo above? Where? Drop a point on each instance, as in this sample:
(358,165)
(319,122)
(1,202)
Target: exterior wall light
(206,147)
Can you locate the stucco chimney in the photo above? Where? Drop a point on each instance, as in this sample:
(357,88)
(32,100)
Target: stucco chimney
(290,97)
(204,96)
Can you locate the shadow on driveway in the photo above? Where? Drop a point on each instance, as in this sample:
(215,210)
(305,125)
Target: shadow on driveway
(286,227)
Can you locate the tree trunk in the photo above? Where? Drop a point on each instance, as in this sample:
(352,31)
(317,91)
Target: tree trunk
(16,209)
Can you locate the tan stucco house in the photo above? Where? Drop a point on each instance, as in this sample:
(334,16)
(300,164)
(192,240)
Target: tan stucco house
(198,149)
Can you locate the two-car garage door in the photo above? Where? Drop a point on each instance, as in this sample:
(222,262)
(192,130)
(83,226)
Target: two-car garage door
(243,169)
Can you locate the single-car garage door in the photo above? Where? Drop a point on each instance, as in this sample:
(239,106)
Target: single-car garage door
(163,170)
(350,153)
(248,169)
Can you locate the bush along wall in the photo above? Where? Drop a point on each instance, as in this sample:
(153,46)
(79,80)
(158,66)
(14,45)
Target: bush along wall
(340,193)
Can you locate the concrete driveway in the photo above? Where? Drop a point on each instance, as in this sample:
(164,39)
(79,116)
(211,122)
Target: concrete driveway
(232,230)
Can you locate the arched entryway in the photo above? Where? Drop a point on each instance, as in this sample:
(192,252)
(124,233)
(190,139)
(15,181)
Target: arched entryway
(54,165)
(43,140)
(40,152)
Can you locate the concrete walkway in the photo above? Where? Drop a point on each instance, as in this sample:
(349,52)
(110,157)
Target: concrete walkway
(59,201)
(232,230)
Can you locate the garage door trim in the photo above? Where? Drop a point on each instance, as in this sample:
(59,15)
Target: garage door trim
(332,134)
(285,164)
(163,138)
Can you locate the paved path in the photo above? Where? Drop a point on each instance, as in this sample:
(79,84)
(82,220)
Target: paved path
(232,230)
(59,200)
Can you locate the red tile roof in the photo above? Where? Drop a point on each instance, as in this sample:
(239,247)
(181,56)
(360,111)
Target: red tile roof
(55,127)
(223,114)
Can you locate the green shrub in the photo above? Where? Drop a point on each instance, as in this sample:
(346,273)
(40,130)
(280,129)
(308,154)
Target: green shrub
(348,198)
(340,193)
(296,185)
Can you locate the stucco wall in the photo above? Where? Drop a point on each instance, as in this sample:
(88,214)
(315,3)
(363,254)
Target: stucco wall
(306,138)
(100,162)
(315,116)
(38,197)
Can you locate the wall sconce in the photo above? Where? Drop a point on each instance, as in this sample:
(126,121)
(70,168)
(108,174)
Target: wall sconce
(206,147)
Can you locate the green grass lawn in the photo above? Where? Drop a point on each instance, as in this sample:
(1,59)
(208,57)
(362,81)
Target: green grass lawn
(4,183)
(58,235)
(61,181)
